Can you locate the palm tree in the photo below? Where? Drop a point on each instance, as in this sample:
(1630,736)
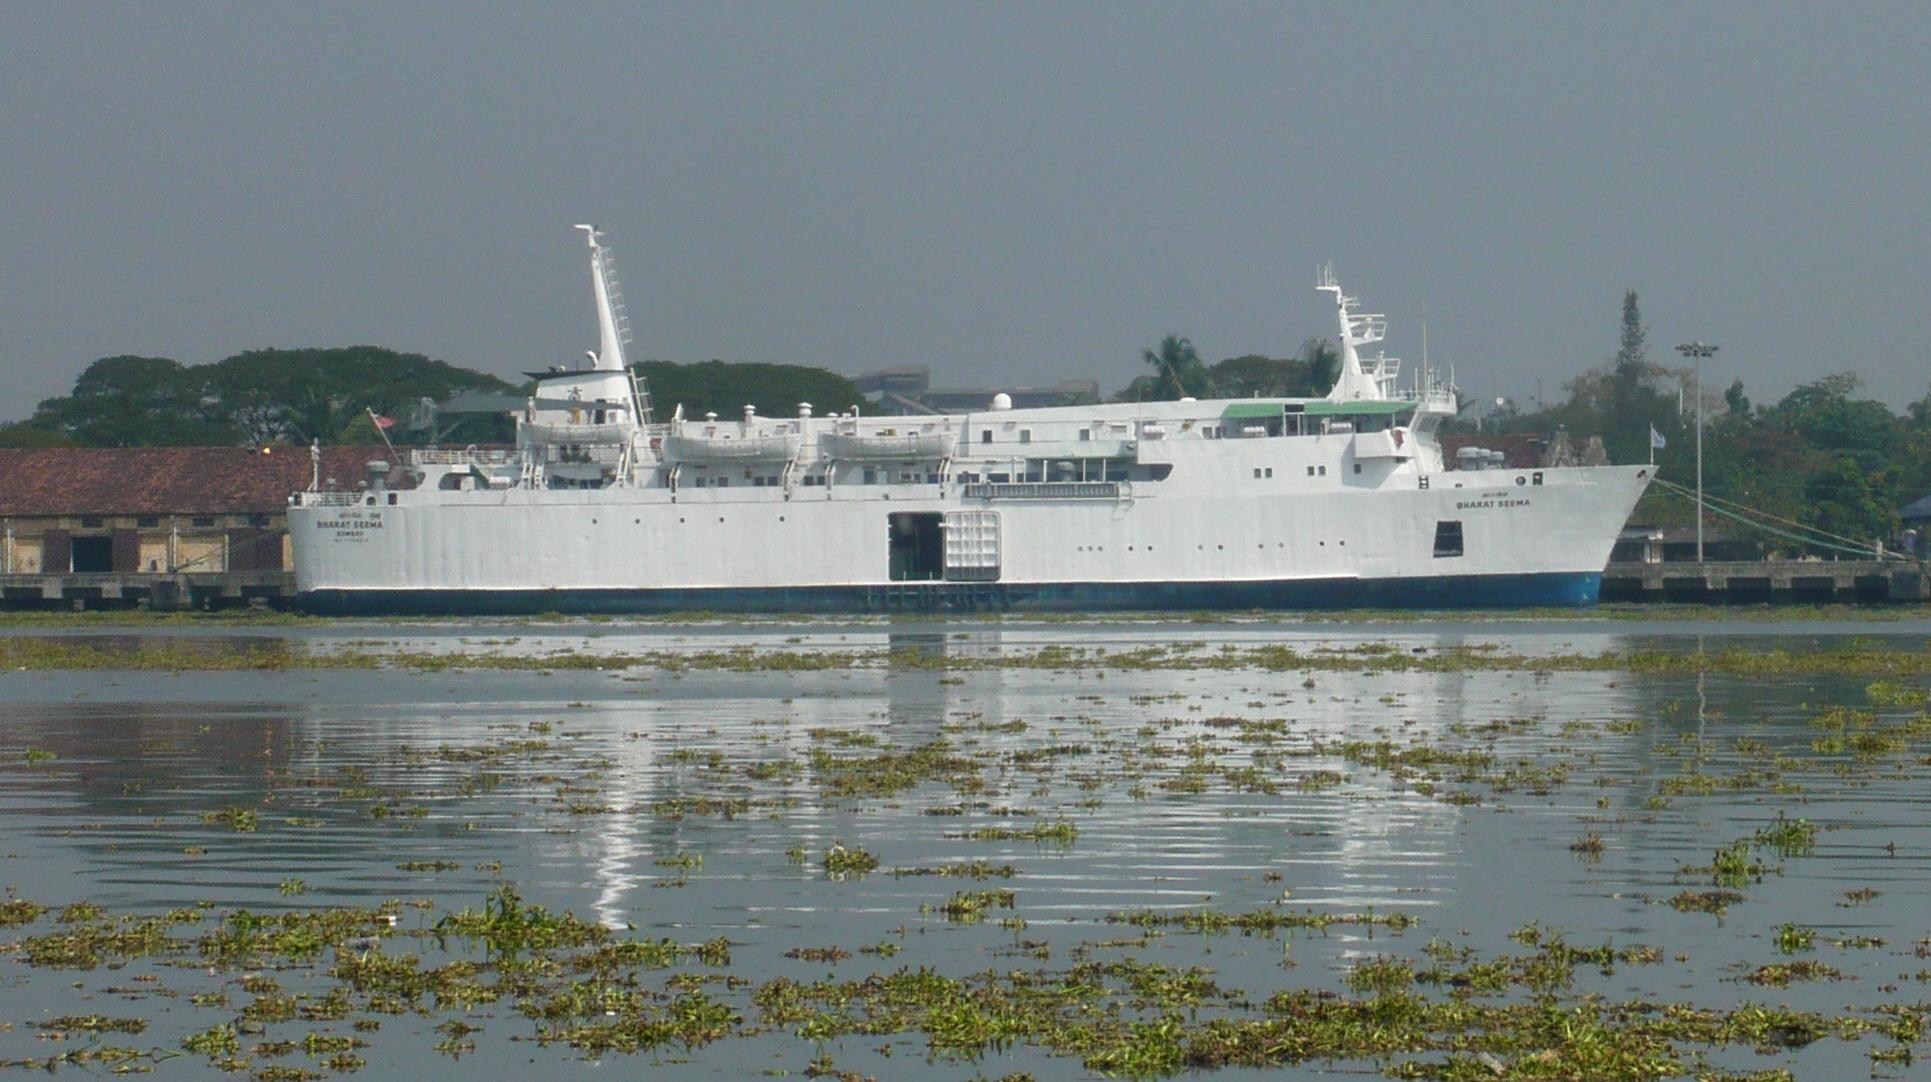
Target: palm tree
(1178,372)
(1323,360)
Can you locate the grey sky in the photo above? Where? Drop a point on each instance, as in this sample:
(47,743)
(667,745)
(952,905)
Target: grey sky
(1009,194)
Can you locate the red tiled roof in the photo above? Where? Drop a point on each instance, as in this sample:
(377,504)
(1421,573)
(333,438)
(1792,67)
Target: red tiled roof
(166,480)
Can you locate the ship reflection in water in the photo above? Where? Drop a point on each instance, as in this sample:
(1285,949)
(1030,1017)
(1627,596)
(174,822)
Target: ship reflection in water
(699,802)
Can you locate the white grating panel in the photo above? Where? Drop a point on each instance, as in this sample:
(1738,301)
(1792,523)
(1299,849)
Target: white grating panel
(971,546)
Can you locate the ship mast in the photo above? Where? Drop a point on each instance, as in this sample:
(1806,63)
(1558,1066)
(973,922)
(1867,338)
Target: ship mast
(1354,330)
(613,323)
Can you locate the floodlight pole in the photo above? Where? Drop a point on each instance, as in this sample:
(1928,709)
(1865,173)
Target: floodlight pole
(1697,351)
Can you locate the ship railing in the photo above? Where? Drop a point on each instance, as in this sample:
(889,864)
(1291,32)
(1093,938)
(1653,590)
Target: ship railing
(465,457)
(1043,490)
(324,499)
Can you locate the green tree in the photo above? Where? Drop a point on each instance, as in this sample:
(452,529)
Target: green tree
(1632,365)
(1736,400)
(1255,376)
(726,387)
(1322,358)
(298,395)
(132,401)
(261,396)
(1177,371)
(33,432)
(1826,416)
(1920,411)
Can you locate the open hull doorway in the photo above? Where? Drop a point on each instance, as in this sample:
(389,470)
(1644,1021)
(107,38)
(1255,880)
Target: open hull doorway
(917,546)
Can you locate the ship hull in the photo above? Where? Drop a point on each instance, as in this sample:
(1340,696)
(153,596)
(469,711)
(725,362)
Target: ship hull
(1562,589)
(1520,538)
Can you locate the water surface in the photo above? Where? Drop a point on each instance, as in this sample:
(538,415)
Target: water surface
(686,804)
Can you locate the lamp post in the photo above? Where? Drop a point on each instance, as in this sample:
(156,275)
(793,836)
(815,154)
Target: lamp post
(1697,351)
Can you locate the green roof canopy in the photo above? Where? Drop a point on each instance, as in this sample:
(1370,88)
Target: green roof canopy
(1319,407)
(1250,411)
(1364,408)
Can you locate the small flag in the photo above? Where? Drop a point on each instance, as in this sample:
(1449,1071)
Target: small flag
(390,422)
(1656,440)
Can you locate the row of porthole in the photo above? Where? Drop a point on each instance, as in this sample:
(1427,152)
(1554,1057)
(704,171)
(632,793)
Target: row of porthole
(1263,545)
(640,522)
(1202,548)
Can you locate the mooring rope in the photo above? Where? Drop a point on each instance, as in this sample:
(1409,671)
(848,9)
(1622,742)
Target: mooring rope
(1851,544)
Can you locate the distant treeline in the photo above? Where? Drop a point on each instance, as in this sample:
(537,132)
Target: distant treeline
(293,396)
(1823,456)
(1178,372)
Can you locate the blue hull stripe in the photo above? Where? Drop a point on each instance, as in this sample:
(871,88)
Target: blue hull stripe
(1443,592)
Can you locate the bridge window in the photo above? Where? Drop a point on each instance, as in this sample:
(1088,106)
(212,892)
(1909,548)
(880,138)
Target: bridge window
(1448,538)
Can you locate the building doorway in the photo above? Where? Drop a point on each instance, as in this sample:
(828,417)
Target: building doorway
(93,555)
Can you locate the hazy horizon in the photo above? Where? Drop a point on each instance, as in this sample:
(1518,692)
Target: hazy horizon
(1010,195)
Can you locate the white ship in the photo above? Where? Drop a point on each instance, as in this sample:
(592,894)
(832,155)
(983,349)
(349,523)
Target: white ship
(1229,504)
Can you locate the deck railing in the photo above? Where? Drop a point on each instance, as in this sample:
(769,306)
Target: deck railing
(325,499)
(1044,490)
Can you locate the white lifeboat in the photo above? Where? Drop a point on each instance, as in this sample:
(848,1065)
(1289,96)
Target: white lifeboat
(617,432)
(886,445)
(709,441)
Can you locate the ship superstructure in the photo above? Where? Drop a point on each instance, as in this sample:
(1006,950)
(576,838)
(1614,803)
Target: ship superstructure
(1244,503)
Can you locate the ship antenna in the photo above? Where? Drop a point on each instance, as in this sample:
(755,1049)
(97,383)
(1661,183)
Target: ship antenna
(1424,353)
